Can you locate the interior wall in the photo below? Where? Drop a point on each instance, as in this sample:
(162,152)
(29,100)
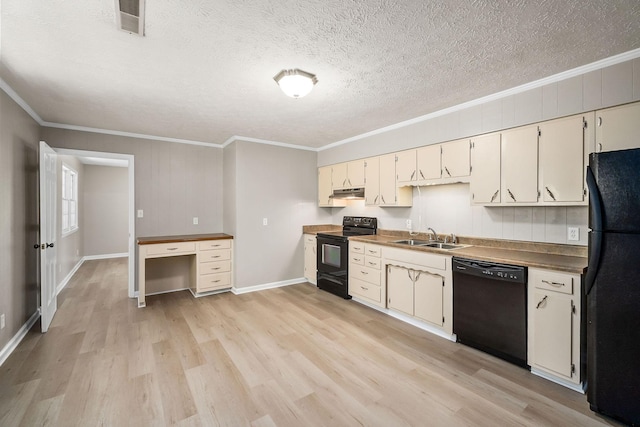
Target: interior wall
(19,232)
(173,182)
(280,185)
(105,218)
(70,246)
(447,208)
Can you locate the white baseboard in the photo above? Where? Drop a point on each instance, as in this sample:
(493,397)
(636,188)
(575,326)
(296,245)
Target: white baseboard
(106,256)
(18,337)
(575,387)
(66,280)
(165,292)
(247,289)
(206,294)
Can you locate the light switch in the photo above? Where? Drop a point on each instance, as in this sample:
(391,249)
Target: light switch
(195,220)
(264,221)
(140,213)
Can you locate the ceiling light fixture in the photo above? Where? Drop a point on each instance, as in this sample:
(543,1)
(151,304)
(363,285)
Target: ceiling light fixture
(295,83)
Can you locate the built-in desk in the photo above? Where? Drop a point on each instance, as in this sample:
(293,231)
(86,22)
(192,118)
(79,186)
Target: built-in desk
(211,260)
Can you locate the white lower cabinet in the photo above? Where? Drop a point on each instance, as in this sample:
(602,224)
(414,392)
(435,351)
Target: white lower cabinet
(365,273)
(419,284)
(215,259)
(554,346)
(310,258)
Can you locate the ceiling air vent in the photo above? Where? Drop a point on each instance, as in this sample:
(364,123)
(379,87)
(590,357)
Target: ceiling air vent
(130,16)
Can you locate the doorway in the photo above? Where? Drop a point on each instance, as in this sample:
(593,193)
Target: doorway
(119,160)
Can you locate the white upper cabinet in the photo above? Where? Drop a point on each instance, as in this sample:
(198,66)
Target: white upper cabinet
(562,160)
(372,181)
(618,128)
(348,175)
(485,170)
(406,167)
(390,193)
(325,188)
(456,159)
(429,162)
(520,165)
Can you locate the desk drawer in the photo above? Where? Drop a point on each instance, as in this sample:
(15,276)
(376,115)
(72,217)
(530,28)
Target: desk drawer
(219,255)
(214,267)
(171,248)
(209,282)
(214,244)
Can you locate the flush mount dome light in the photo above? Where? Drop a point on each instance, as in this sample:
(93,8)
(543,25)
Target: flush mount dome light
(295,83)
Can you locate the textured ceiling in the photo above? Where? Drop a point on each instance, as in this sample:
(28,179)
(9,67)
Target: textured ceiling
(204,70)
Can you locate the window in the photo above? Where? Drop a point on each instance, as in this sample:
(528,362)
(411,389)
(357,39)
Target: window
(69,200)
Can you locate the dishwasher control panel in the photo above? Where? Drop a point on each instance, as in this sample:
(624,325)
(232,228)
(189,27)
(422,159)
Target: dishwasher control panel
(511,273)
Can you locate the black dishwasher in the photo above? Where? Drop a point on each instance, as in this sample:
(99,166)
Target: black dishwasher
(490,308)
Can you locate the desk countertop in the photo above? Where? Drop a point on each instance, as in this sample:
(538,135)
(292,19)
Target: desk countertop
(182,238)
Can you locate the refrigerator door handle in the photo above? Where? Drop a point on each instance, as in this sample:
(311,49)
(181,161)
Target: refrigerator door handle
(595,243)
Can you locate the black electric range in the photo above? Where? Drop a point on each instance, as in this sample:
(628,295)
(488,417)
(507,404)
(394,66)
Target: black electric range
(333,253)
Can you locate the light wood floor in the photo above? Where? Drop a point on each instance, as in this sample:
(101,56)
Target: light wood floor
(293,356)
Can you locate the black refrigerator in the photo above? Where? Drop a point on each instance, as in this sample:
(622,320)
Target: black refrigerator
(612,285)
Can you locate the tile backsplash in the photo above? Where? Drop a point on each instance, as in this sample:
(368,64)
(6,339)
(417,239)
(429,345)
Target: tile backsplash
(447,209)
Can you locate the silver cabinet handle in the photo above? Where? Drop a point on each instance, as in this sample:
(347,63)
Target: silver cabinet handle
(363,272)
(216,268)
(376,199)
(372,263)
(541,301)
(599,121)
(599,147)
(363,288)
(421,174)
(557,284)
(357,259)
(412,175)
(172,249)
(550,193)
(382,198)
(495,195)
(447,171)
(511,195)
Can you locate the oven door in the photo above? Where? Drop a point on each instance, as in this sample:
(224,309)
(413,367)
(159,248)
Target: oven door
(332,255)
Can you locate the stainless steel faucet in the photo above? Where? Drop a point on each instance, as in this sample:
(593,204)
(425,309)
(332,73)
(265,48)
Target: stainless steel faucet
(435,235)
(453,238)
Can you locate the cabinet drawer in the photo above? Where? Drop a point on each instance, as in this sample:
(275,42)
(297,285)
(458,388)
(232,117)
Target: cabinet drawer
(171,248)
(357,259)
(215,267)
(372,262)
(357,248)
(219,255)
(367,274)
(310,239)
(360,288)
(214,244)
(553,281)
(374,251)
(210,282)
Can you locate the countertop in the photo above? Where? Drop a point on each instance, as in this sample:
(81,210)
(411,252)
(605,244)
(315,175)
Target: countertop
(567,258)
(182,238)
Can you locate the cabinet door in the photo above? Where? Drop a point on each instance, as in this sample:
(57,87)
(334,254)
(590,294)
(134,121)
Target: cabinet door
(429,162)
(428,289)
(400,289)
(324,186)
(520,165)
(485,171)
(339,178)
(406,166)
(388,184)
(372,181)
(552,317)
(355,173)
(562,167)
(310,259)
(456,159)
(618,128)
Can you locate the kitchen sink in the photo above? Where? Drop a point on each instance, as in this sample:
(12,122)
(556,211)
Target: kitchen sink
(429,244)
(412,242)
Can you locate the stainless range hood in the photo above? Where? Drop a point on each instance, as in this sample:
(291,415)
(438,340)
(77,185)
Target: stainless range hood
(348,193)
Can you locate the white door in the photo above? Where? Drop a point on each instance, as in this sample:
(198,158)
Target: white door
(48,248)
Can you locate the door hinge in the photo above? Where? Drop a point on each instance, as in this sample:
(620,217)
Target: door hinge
(573,308)
(443,320)
(584,192)
(573,368)
(470,169)
(539,132)
(584,123)
(473,196)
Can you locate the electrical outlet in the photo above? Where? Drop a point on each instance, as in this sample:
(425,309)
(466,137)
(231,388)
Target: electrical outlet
(408,224)
(140,213)
(2,324)
(264,221)
(195,220)
(573,234)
